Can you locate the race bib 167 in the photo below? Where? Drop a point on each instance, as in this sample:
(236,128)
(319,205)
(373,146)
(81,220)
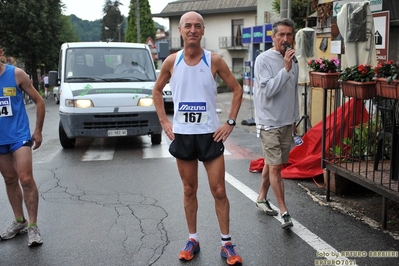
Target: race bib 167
(192,112)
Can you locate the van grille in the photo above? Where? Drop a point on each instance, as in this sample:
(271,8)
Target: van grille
(121,121)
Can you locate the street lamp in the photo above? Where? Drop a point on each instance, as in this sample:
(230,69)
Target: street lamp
(106,34)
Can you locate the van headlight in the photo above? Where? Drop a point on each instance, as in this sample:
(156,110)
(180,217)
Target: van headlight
(83,103)
(145,102)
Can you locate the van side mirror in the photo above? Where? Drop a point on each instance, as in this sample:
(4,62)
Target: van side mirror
(53,78)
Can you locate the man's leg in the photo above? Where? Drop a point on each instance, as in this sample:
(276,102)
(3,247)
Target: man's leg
(23,165)
(265,184)
(262,203)
(189,175)
(270,146)
(276,180)
(8,168)
(216,177)
(277,184)
(188,171)
(10,175)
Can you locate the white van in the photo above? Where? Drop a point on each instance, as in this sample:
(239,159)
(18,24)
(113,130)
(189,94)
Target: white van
(105,90)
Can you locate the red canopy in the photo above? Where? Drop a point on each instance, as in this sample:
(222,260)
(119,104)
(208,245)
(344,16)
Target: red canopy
(305,160)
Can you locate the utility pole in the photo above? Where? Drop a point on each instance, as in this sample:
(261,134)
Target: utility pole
(283,8)
(138,21)
(119,30)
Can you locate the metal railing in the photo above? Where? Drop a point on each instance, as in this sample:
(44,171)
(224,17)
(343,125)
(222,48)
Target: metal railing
(360,141)
(229,42)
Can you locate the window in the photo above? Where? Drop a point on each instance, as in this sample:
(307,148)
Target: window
(237,25)
(238,67)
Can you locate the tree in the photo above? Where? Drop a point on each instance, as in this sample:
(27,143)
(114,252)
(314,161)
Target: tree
(112,23)
(31,32)
(86,31)
(147,26)
(299,9)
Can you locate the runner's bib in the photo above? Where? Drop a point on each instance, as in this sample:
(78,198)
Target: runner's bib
(192,113)
(5,107)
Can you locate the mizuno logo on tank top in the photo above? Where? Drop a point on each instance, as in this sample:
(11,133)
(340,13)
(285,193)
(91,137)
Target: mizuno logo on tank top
(192,106)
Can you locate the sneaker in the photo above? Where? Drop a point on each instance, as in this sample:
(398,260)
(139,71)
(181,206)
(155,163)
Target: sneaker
(286,221)
(188,252)
(231,256)
(264,205)
(35,239)
(14,229)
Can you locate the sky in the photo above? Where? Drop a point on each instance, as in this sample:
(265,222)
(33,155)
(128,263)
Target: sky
(92,9)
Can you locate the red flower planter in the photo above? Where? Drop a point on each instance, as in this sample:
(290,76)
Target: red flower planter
(387,90)
(324,80)
(359,90)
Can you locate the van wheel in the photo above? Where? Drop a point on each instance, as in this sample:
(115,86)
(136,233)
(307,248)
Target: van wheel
(66,142)
(156,139)
(56,100)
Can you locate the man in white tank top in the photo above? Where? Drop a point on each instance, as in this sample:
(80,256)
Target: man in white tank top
(196,133)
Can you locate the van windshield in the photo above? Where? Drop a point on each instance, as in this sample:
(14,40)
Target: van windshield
(108,64)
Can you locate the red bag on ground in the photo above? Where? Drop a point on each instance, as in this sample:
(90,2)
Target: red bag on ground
(256,166)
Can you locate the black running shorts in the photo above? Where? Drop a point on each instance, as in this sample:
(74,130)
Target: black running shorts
(191,147)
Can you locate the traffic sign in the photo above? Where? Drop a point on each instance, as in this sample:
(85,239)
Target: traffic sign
(150,42)
(375,6)
(381,35)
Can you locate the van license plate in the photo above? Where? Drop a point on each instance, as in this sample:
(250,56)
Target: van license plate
(117,133)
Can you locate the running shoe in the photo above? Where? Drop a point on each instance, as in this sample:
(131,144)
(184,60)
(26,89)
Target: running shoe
(188,252)
(14,229)
(264,205)
(35,239)
(231,256)
(286,221)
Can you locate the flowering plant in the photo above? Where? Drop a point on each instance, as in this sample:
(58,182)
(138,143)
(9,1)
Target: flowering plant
(388,69)
(324,65)
(360,73)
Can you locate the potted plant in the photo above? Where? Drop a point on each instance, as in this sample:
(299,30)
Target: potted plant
(362,142)
(323,72)
(387,82)
(357,81)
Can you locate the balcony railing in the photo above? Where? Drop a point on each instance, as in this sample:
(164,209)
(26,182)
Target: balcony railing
(232,43)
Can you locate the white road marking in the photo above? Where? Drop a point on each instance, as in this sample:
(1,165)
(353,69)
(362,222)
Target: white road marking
(311,239)
(46,152)
(158,151)
(98,151)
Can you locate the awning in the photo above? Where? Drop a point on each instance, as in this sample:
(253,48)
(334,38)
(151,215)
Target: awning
(325,1)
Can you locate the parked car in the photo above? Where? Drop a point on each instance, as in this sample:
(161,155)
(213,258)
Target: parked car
(167,96)
(56,94)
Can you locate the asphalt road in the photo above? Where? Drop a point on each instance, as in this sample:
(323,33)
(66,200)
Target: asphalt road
(119,202)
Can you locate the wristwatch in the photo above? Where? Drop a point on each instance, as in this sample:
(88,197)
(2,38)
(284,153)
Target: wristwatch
(231,122)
